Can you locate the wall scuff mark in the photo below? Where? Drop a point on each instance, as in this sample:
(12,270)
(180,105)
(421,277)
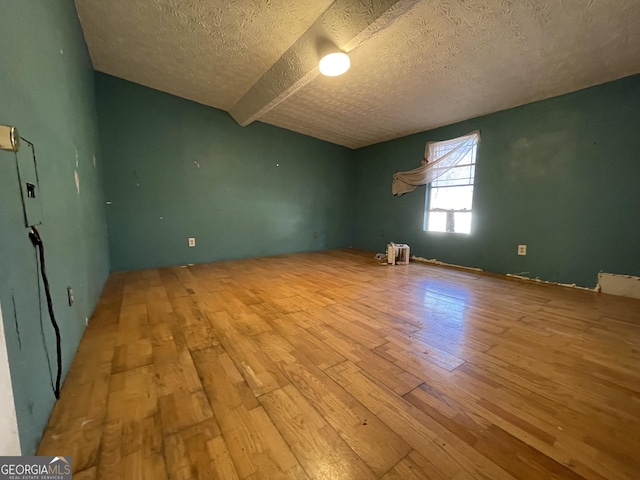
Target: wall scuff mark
(15,318)
(537,280)
(433,261)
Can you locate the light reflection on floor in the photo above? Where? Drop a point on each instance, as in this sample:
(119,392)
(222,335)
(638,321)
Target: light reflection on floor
(444,326)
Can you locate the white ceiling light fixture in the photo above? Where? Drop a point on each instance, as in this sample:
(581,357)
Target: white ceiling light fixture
(334,64)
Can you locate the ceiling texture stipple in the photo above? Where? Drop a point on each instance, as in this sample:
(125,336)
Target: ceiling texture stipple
(345,24)
(415,64)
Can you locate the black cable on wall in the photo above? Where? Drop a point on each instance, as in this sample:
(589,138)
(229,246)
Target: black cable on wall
(34,235)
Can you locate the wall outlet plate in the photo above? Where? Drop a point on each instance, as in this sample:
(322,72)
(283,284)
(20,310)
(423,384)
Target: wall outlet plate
(192,241)
(522,249)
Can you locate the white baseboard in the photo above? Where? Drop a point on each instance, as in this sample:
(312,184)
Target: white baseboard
(621,285)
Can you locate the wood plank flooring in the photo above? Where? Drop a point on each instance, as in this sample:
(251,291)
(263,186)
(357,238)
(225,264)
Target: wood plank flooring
(330,366)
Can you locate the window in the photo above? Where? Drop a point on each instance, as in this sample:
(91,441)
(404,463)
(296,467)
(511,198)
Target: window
(450,196)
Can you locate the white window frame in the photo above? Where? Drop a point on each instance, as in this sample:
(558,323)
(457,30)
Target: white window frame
(433,147)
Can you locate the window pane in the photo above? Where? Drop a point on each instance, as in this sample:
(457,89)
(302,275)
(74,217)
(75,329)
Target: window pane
(440,151)
(437,222)
(462,222)
(451,198)
(456,176)
(469,152)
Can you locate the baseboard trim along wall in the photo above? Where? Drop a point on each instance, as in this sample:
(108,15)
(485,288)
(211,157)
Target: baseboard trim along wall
(621,285)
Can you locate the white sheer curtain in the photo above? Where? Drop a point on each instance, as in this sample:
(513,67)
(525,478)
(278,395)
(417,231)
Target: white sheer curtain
(405,182)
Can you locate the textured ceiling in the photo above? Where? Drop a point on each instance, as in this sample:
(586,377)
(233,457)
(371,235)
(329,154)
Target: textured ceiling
(426,64)
(210,51)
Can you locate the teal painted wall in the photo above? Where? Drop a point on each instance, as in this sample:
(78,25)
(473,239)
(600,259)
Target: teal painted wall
(176,169)
(46,90)
(561,176)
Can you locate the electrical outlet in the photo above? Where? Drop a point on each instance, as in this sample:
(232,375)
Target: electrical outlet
(382,233)
(70,296)
(315,234)
(86,322)
(522,249)
(192,241)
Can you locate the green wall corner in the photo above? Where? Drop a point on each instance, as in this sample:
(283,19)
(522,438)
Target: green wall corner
(176,169)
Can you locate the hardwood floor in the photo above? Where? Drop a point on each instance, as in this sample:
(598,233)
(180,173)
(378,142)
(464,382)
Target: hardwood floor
(330,366)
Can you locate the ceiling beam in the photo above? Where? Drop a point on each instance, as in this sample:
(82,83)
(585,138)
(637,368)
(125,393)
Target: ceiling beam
(346,23)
